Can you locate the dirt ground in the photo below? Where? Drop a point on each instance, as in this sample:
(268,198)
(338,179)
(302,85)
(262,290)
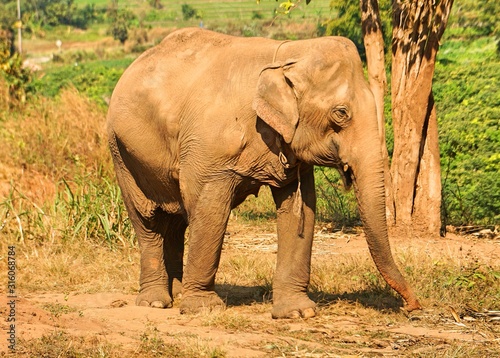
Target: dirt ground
(247,330)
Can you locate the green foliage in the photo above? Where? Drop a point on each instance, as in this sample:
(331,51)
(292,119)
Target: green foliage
(58,309)
(49,13)
(470,277)
(16,77)
(119,30)
(121,20)
(94,210)
(87,207)
(477,17)
(257,15)
(95,79)
(333,202)
(8,14)
(473,18)
(188,12)
(346,21)
(468,107)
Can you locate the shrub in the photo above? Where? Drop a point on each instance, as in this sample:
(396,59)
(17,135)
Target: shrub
(188,12)
(96,79)
(16,78)
(469,112)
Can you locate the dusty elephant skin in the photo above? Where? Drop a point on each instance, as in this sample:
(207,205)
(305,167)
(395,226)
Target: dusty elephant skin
(201,121)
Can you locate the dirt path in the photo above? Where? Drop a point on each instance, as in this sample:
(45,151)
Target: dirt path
(247,330)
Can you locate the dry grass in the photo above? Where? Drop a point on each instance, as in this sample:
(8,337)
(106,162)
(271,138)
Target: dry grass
(56,180)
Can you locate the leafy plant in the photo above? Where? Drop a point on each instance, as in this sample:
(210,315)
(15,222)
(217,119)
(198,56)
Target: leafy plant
(51,13)
(334,203)
(16,77)
(121,20)
(188,12)
(95,79)
(469,113)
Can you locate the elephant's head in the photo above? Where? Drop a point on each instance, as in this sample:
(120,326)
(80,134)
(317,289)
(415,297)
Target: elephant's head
(318,100)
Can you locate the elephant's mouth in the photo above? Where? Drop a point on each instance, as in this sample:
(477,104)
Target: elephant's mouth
(347,176)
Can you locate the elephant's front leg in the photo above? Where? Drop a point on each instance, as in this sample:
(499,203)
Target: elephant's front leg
(207,224)
(295,234)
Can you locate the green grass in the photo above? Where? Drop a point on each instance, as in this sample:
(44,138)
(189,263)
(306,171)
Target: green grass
(215,10)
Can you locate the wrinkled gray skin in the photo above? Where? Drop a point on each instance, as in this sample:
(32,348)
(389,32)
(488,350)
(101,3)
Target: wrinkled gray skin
(201,121)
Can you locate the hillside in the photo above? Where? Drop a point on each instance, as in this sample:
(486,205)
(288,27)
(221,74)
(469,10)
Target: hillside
(214,10)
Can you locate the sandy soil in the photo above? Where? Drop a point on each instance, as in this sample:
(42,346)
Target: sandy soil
(113,317)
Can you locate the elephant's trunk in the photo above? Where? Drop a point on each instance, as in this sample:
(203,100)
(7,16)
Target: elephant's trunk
(368,181)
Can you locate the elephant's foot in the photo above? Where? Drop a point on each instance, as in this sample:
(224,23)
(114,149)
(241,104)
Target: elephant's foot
(201,302)
(176,286)
(156,297)
(413,305)
(293,307)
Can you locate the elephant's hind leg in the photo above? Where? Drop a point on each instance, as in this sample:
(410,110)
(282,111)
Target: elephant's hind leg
(173,252)
(153,280)
(161,243)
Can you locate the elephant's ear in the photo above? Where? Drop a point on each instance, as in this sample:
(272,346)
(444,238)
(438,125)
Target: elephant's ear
(275,102)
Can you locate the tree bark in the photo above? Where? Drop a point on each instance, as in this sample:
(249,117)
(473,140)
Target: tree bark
(427,210)
(417,29)
(374,46)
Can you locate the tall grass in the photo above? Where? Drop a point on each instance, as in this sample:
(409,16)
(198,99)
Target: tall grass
(58,182)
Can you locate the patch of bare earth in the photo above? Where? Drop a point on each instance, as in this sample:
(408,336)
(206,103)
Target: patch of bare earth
(345,325)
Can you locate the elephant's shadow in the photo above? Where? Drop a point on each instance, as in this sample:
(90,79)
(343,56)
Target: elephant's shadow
(381,299)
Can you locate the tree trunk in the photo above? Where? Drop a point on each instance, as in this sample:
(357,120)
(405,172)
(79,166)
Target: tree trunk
(417,29)
(374,46)
(427,210)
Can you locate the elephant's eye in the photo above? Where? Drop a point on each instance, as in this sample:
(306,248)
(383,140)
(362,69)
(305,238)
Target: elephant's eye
(341,116)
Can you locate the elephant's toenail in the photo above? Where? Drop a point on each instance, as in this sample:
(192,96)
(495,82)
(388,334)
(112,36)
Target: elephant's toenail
(144,303)
(158,304)
(308,313)
(294,314)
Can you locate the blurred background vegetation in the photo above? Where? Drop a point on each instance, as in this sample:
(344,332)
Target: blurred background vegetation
(56,174)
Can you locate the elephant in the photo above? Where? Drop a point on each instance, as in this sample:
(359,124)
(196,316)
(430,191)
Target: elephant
(202,120)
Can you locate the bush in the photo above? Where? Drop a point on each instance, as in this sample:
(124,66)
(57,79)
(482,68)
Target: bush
(96,80)
(50,13)
(188,12)
(469,112)
(16,78)
(119,30)
(120,20)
